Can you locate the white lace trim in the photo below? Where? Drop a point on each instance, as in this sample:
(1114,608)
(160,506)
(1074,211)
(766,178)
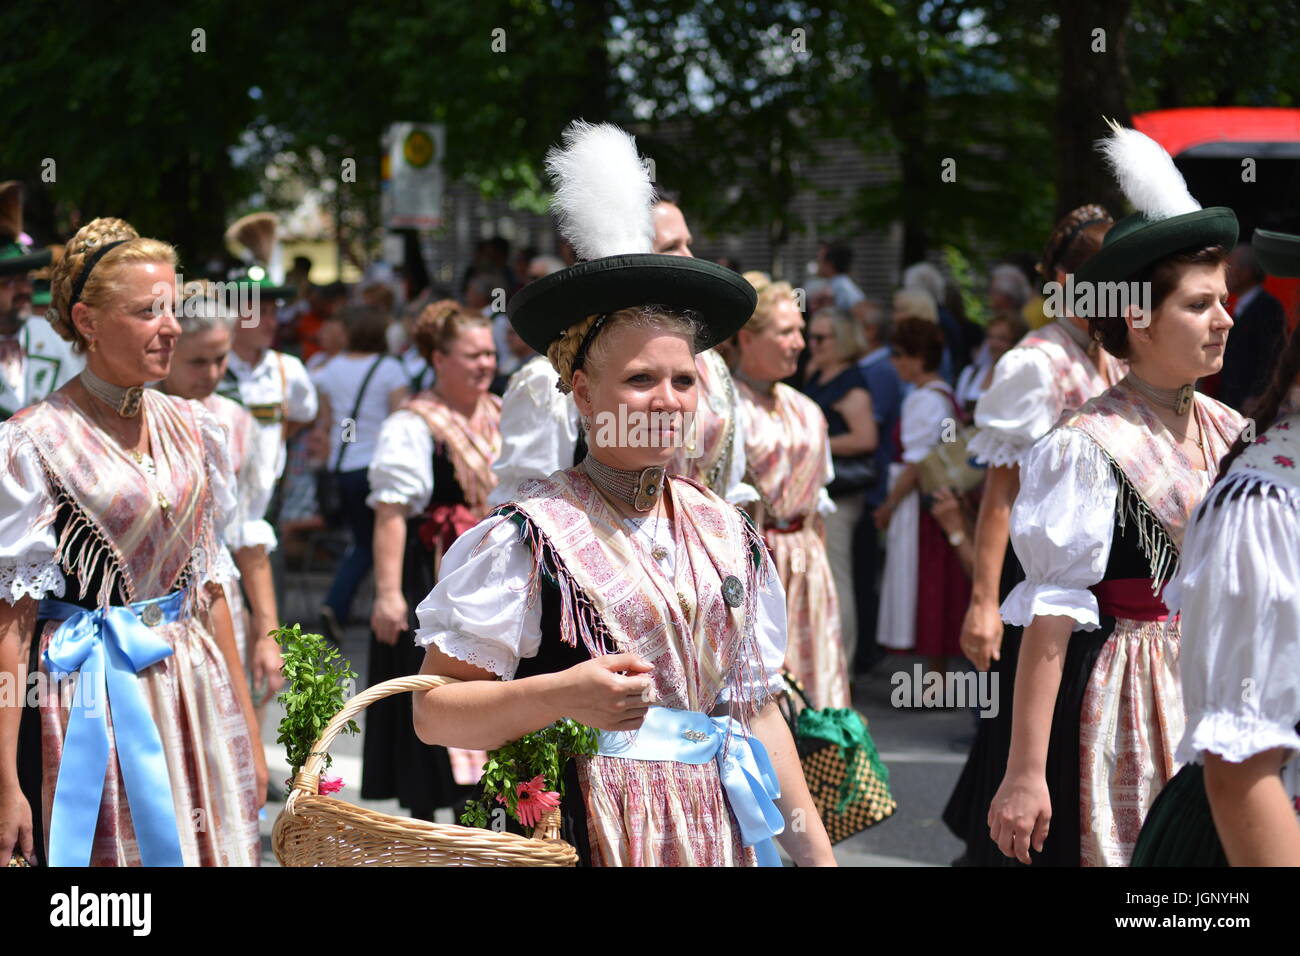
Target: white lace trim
(34,579)
(989,448)
(1235,737)
(471,650)
(222,570)
(1029,600)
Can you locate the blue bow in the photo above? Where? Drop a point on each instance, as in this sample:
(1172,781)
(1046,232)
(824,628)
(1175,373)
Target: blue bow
(687,736)
(109,647)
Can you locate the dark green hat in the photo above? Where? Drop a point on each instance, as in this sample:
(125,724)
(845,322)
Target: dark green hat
(722,299)
(1136,242)
(1278,252)
(16,259)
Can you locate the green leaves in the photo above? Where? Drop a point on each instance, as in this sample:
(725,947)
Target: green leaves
(316,679)
(546,752)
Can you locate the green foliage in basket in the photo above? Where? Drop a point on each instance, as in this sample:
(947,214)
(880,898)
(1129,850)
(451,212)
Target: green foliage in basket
(543,753)
(316,679)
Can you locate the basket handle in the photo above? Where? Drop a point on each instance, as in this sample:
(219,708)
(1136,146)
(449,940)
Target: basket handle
(307,780)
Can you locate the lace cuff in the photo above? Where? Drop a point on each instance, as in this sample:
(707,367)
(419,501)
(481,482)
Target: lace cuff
(1235,737)
(34,579)
(1029,600)
(990,448)
(471,650)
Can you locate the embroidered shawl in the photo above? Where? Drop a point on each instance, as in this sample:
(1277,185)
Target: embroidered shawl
(1075,377)
(715,426)
(117,525)
(1159,488)
(615,598)
(472,444)
(785,447)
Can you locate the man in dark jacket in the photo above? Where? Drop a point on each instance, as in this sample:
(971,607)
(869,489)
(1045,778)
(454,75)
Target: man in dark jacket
(1256,336)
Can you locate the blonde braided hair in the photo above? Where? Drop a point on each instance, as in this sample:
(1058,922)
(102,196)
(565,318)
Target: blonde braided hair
(102,285)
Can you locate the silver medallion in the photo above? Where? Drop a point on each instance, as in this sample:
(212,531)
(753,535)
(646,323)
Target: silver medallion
(733,592)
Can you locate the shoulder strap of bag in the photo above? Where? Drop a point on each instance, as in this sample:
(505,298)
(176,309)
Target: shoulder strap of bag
(356,408)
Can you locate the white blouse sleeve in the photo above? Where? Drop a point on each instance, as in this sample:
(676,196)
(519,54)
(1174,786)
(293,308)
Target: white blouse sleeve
(921,427)
(770,631)
(27,512)
(1061,527)
(250,529)
(218,568)
(401,473)
(1237,592)
(1017,409)
(482,610)
(301,401)
(739,491)
(539,430)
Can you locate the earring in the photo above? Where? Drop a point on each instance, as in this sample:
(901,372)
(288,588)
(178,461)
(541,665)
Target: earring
(91,347)
(586,423)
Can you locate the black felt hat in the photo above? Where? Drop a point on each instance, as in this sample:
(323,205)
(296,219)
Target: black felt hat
(1278,252)
(1168,219)
(604,201)
(722,299)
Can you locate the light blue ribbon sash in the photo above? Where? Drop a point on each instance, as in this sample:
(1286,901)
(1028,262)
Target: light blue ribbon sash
(687,736)
(108,648)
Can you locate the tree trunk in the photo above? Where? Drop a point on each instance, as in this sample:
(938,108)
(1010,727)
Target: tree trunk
(1092,85)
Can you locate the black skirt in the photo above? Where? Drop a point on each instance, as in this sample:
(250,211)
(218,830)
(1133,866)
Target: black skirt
(1179,829)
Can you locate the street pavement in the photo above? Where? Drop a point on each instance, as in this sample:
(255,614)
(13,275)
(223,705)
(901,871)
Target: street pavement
(924,750)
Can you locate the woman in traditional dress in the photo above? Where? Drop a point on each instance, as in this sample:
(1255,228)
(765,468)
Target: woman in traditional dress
(611,584)
(789,454)
(1052,369)
(1097,526)
(429,483)
(196,370)
(112,498)
(925,588)
(1238,593)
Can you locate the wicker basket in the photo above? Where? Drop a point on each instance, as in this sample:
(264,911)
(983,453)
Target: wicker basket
(317,830)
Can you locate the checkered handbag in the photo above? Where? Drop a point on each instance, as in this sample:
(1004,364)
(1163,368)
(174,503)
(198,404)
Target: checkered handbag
(848,781)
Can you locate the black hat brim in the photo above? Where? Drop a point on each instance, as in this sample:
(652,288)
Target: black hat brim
(723,300)
(1133,251)
(17,265)
(1278,252)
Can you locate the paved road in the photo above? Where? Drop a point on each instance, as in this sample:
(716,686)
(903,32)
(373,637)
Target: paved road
(919,746)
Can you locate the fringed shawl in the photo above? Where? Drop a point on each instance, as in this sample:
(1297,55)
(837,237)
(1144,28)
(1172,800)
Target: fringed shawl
(472,444)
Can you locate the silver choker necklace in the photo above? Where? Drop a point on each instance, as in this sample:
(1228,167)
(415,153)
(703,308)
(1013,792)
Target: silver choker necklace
(125,401)
(640,489)
(1177,400)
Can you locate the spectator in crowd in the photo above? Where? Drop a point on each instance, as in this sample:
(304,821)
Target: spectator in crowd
(381,296)
(358,389)
(1002,334)
(331,339)
(324,302)
(672,236)
(1258,328)
(925,591)
(918,304)
(924,277)
(886,390)
(1009,291)
(835,383)
(833,261)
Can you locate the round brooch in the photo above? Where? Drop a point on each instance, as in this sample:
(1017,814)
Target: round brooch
(733,592)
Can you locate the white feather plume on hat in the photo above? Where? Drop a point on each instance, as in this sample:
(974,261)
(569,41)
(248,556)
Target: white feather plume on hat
(603,195)
(1146,174)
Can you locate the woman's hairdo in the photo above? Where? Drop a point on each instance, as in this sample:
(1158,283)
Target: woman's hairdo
(770,295)
(441,323)
(1163,275)
(564,350)
(1076,239)
(850,339)
(101,284)
(919,338)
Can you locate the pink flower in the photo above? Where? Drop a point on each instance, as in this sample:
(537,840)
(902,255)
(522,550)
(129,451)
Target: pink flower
(535,801)
(1284,461)
(1261,440)
(329,785)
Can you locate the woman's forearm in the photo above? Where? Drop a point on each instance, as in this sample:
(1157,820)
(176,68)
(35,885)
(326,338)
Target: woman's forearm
(17,622)
(991,532)
(255,570)
(482,713)
(804,837)
(1254,817)
(909,479)
(388,544)
(1038,680)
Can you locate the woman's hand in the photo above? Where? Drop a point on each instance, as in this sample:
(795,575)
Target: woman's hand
(1020,814)
(596,694)
(266,667)
(261,776)
(947,510)
(388,618)
(882,516)
(981,634)
(15,825)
